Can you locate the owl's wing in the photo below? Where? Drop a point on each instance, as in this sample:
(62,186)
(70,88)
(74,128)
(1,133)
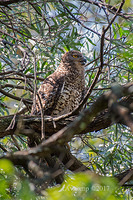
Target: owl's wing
(48,94)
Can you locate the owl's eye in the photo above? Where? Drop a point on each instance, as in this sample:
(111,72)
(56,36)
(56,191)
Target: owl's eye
(75,56)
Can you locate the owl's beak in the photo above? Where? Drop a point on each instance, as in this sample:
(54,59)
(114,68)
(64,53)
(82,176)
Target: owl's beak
(83,61)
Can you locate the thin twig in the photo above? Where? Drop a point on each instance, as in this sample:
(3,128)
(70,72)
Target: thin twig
(77,20)
(15,97)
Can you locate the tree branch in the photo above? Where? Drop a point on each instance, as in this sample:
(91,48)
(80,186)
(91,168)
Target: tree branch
(78,126)
(26,101)
(97,118)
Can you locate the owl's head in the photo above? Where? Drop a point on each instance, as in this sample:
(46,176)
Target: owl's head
(74,57)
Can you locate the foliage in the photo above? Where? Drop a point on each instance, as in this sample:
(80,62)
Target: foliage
(33,36)
(11,185)
(78,186)
(86,186)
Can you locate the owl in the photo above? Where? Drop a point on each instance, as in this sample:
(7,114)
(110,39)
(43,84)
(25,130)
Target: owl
(62,91)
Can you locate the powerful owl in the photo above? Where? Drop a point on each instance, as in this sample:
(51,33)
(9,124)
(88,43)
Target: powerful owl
(62,91)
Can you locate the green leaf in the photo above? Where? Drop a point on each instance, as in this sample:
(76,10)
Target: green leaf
(6,167)
(25,31)
(114,30)
(90,41)
(70,5)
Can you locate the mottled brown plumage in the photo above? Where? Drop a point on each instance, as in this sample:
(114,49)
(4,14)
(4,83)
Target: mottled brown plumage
(62,91)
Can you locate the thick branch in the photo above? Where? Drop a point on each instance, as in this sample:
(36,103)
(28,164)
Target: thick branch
(77,126)
(100,122)
(93,122)
(73,164)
